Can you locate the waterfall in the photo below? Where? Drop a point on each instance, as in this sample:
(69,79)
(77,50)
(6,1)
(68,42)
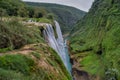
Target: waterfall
(58,44)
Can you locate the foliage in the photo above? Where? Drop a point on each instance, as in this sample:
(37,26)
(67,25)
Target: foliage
(99,32)
(14,34)
(19,8)
(65,15)
(14,8)
(17,62)
(36,12)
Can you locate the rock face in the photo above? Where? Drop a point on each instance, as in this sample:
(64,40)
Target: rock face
(80,75)
(95,41)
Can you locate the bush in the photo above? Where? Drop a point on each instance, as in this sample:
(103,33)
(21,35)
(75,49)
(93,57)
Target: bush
(10,75)
(17,62)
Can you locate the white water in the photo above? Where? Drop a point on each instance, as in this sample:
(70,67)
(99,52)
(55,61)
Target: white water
(58,44)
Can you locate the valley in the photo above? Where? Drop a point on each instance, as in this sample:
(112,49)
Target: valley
(44,41)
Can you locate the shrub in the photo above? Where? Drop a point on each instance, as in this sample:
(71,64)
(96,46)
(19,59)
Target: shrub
(17,62)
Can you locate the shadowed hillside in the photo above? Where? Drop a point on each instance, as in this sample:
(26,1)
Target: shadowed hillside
(65,15)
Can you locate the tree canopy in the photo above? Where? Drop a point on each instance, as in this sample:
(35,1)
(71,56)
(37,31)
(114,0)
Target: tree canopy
(19,8)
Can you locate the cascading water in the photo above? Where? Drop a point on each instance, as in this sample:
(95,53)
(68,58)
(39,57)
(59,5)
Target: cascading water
(58,44)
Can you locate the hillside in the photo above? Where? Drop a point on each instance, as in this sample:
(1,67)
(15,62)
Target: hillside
(95,41)
(24,55)
(65,15)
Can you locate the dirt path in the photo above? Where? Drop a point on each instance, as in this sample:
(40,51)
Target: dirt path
(24,50)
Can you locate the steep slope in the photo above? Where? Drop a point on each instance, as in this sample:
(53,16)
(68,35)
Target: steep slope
(65,15)
(95,41)
(32,62)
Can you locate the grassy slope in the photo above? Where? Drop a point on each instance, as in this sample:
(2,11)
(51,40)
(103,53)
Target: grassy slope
(33,62)
(98,35)
(65,15)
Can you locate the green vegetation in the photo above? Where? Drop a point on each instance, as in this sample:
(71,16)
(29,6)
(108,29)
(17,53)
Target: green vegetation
(58,60)
(17,62)
(65,15)
(14,34)
(98,33)
(35,54)
(19,8)
(13,8)
(33,65)
(23,52)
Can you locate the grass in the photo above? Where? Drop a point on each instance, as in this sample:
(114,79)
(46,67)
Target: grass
(92,64)
(36,54)
(5,49)
(41,20)
(26,67)
(59,62)
(10,75)
(17,62)
(13,75)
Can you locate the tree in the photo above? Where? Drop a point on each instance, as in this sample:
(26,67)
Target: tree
(2,13)
(22,12)
(50,16)
(14,7)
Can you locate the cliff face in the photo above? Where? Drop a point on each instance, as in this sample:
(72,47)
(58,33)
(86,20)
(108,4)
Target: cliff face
(95,41)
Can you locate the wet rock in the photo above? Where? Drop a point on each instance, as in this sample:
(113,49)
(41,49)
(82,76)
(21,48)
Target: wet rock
(79,75)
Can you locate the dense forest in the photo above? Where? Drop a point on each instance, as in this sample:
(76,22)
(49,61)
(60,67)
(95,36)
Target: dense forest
(19,8)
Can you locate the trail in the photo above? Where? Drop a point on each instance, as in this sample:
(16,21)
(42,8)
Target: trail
(24,50)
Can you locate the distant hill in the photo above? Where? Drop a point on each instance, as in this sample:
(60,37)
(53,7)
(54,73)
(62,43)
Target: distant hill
(67,16)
